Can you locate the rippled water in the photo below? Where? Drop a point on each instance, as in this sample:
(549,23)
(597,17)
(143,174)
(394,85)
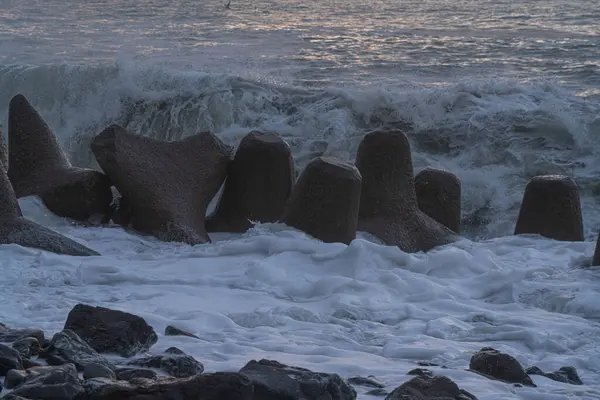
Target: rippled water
(313,43)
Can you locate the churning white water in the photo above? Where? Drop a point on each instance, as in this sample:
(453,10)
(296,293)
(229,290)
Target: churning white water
(495,92)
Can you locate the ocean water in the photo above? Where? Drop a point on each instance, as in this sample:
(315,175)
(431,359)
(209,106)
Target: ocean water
(494,91)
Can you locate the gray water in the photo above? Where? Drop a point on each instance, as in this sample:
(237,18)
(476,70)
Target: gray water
(495,91)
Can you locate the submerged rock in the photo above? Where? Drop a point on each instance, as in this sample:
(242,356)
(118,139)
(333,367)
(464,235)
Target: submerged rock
(273,380)
(174,331)
(564,374)
(111,331)
(430,388)
(492,363)
(175,362)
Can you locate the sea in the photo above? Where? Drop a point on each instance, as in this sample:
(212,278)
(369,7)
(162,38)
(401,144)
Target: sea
(494,91)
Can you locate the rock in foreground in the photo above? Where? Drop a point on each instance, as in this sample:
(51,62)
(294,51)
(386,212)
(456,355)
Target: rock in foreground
(111,331)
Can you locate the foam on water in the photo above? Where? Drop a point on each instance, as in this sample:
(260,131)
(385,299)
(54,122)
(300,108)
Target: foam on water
(362,309)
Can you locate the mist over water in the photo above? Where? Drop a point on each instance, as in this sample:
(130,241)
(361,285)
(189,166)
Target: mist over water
(494,91)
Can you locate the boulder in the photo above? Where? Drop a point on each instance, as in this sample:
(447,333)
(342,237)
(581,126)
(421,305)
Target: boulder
(216,386)
(111,331)
(388,203)
(259,182)
(51,383)
(174,331)
(14,229)
(551,208)
(276,381)
(564,374)
(174,362)
(68,347)
(167,184)
(438,195)
(38,166)
(324,203)
(9,359)
(27,347)
(430,388)
(501,366)
(13,335)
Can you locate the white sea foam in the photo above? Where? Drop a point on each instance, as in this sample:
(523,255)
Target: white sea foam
(362,309)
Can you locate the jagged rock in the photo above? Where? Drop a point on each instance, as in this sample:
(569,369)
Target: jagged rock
(38,166)
(324,203)
(368,381)
(430,388)
(217,386)
(497,365)
(13,335)
(93,370)
(438,195)
(174,331)
(551,208)
(9,359)
(68,347)
(175,362)
(128,374)
(51,383)
(14,229)
(27,346)
(168,184)
(111,331)
(276,381)
(259,182)
(564,374)
(388,203)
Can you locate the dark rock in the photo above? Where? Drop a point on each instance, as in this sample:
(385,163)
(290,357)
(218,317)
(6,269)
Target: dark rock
(438,195)
(427,364)
(29,363)
(420,372)
(111,331)
(551,208)
(501,366)
(52,383)
(362,381)
(430,388)
(27,347)
(596,256)
(175,362)
(174,331)
(324,203)
(14,229)
(38,166)
(11,396)
(14,335)
(168,184)
(120,212)
(564,374)
(377,392)
(68,347)
(259,182)
(275,381)
(93,370)
(16,377)
(9,359)
(217,386)
(127,374)
(388,203)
